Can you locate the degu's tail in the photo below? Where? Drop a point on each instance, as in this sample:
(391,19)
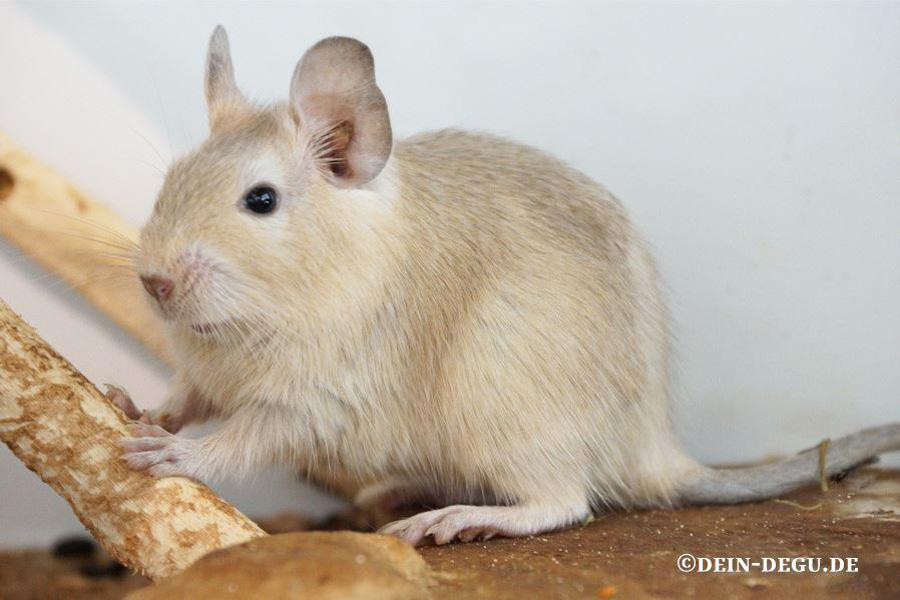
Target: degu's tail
(731,486)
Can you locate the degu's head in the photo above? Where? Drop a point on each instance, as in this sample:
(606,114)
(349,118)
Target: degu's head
(253,216)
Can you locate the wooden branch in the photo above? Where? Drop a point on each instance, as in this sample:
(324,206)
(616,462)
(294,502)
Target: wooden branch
(68,433)
(79,240)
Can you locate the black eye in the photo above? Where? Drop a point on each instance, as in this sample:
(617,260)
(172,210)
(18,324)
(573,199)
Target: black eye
(261,200)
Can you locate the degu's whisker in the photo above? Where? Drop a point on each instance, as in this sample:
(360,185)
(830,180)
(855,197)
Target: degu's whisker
(113,235)
(59,284)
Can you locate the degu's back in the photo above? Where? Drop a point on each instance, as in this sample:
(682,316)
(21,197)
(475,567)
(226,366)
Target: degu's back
(544,311)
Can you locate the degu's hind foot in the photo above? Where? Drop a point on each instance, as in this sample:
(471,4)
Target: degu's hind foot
(468,523)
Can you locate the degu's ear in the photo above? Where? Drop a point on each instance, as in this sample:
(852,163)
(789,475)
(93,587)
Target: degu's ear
(334,93)
(222,94)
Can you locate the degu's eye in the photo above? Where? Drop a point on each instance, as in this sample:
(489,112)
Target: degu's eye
(261,199)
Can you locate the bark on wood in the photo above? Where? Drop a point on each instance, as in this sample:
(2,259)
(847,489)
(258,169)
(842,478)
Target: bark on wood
(68,433)
(75,238)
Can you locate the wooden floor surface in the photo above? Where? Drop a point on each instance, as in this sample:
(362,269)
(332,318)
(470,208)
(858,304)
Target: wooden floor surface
(631,556)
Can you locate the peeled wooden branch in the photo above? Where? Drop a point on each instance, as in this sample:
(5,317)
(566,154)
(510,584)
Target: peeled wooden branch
(68,433)
(77,239)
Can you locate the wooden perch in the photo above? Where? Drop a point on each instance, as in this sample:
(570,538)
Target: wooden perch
(68,433)
(77,239)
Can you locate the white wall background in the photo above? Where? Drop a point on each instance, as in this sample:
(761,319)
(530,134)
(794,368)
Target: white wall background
(756,144)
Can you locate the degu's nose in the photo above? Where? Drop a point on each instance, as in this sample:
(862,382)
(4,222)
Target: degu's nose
(158,286)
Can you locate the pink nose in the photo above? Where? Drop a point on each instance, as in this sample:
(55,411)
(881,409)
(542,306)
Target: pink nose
(158,287)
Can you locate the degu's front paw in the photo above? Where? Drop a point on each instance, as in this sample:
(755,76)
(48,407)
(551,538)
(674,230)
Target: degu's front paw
(123,401)
(152,448)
